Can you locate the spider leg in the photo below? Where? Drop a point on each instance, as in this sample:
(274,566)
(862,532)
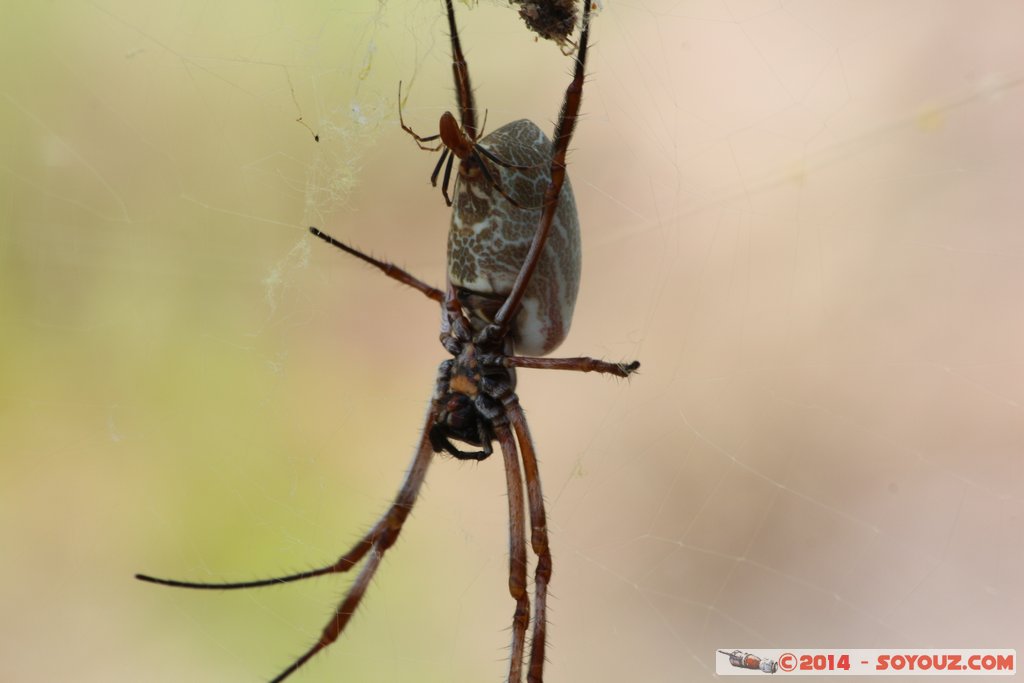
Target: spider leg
(340,566)
(389,269)
(483,126)
(346,562)
(498,160)
(489,177)
(437,167)
(517,550)
(463,89)
(447,178)
(538,539)
(385,533)
(581,364)
(343,613)
(455,326)
(418,138)
(375,543)
(563,136)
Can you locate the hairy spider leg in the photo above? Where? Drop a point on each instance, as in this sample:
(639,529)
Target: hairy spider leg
(460,71)
(418,138)
(517,559)
(577,364)
(538,539)
(560,146)
(389,269)
(513,412)
(374,544)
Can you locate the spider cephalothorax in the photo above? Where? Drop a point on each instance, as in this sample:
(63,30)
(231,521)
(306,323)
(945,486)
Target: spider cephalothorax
(513,275)
(469,392)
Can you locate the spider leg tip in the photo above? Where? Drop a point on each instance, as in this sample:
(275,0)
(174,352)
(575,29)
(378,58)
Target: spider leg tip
(630,369)
(149,579)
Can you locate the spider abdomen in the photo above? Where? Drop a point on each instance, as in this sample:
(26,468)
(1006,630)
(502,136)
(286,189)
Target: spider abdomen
(490,236)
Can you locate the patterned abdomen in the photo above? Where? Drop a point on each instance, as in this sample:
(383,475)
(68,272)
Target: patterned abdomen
(489,238)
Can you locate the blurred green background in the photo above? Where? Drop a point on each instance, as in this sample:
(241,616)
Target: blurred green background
(803,219)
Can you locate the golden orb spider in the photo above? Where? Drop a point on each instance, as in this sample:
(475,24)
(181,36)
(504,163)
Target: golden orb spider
(513,274)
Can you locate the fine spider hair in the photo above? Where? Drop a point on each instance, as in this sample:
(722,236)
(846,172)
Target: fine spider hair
(532,276)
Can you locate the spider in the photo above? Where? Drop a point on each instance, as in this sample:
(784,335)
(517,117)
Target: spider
(513,274)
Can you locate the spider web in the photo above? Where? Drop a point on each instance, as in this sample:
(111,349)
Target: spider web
(800,216)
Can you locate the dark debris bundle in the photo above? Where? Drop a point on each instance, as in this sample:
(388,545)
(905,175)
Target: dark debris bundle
(549,19)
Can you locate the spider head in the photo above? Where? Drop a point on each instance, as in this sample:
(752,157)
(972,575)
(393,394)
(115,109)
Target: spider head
(470,390)
(460,420)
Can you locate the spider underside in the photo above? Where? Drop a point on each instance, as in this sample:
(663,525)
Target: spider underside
(487,315)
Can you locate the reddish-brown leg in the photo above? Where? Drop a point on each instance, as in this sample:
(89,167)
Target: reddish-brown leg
(420,139)
(389,269)
(579,364)
(463,89)
(560,147)
(517,551)
(381,537)
(538,538)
